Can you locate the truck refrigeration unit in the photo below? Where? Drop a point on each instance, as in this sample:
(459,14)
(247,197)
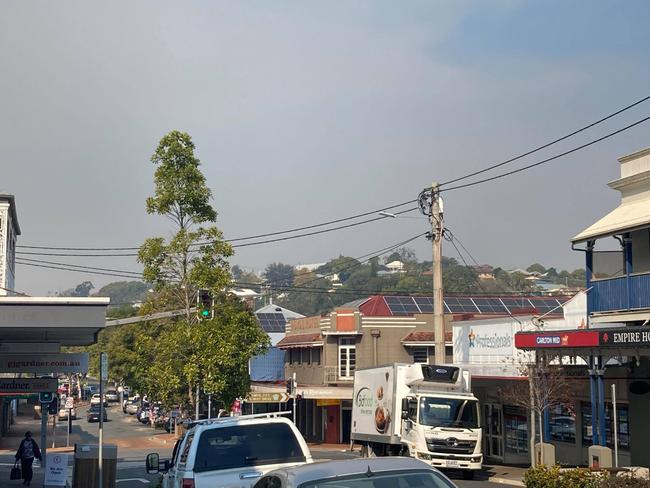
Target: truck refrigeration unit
(420,410)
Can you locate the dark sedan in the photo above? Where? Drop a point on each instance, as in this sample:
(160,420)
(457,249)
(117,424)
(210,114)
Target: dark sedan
(93,414)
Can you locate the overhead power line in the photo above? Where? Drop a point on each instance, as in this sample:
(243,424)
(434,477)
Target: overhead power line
(238,239)
(256,243)
(548,144)
(548,160)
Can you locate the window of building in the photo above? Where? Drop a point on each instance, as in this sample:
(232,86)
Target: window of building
(562,423)
(347,357)
(516,425)
(420,354)
(294,356)
(315,355)
(622,413)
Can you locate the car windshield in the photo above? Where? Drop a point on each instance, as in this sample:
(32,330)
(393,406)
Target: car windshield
(247,445)
(449,412)
(397,479)
(94,408)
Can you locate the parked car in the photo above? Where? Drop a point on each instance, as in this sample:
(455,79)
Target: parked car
(95,400)
(132,408)
(93,414)
(380,472)
(112,396)
(63,414)
(231,451)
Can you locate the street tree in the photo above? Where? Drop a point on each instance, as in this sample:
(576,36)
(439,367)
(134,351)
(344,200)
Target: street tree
(179,355)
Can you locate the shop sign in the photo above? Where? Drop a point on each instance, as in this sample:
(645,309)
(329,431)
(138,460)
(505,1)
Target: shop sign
(328,403)
(28,385)
(44,363)
(625,337)
(542,340)
(56,471)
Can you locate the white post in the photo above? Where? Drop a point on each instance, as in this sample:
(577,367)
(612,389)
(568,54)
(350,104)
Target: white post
(209,405)
(103,375)
(293,394)
(615,420)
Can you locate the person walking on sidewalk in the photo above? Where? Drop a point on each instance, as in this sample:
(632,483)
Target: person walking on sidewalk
(27,451)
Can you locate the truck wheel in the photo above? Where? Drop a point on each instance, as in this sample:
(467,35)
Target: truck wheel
(468,475)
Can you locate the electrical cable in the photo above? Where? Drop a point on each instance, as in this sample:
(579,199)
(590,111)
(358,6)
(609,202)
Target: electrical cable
(547,160)
(92,268)
(548,144)
(268,241)
(14,291)
(270,234)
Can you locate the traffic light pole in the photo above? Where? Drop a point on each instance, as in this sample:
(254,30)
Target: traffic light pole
(294,389)
(43,434)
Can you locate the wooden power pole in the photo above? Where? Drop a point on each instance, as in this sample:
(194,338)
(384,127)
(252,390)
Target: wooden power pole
(431,205)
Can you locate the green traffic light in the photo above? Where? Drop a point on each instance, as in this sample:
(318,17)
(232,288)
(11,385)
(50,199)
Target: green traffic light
(205,313)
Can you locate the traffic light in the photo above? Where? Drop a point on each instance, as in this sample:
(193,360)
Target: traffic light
(45,397)
(204,304)
(290,386)
(53,407)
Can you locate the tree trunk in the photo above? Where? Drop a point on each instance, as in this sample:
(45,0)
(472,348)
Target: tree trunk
(541,437)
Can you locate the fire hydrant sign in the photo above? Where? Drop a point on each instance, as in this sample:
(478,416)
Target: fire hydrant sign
(56,469)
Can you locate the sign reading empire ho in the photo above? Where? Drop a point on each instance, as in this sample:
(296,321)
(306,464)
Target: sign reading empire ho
(44,363)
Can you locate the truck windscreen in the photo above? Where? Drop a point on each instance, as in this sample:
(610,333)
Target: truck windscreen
(448,412)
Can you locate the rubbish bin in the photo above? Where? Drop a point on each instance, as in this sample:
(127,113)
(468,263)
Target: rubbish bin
(86,466)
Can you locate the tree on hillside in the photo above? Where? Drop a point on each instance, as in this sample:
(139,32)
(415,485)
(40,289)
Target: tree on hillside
(181,355)
(81,290)
(240,275)
(125,292)
(536,268)
(279,274)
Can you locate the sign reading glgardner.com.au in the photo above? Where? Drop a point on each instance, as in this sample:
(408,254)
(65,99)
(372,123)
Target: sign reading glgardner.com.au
(44,363)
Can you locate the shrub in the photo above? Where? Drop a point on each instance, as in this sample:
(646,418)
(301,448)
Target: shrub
(555,477)
(624,482)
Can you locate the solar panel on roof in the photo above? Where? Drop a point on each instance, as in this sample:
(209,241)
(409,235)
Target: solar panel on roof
(490,305)
(516,303)
(460,305)
(272,322)
(401,305)
(425,304)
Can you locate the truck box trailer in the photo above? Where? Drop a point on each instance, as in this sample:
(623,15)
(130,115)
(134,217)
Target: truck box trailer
(424,411)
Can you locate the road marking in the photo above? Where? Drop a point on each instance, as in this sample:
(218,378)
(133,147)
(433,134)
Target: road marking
(141,480)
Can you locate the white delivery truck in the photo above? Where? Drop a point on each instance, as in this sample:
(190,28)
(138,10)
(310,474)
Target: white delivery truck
(420,410)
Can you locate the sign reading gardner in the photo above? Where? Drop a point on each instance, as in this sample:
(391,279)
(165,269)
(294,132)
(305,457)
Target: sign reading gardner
(625,337)
(28,385)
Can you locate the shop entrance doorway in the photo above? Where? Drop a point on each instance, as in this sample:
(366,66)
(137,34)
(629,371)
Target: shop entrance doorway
(493,431)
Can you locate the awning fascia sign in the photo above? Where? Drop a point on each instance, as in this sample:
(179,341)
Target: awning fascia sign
(556,339)
(620,337)
(44,363)
(28,385)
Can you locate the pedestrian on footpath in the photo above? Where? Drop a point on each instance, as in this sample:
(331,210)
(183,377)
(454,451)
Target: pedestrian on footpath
(27,451)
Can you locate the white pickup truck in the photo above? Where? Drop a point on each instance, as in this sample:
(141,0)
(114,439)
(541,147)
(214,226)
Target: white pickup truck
(232,452)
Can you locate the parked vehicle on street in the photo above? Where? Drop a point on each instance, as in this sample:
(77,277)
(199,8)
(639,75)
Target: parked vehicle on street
(132,407)
(93,414)
(419,410)
(231,451)
(95,400)
(112,396)
(391,472)
(63,414)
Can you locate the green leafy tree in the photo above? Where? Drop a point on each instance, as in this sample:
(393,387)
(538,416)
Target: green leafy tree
(81,290)
(176,356)
(279,274)
(536,268)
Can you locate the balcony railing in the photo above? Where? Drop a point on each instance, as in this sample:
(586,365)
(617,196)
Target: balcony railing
(332,375)
(620,294)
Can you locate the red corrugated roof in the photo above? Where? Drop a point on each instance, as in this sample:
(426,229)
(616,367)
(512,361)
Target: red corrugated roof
(300,339)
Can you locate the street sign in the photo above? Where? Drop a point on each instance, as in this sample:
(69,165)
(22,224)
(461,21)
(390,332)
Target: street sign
(56,469)
(44,363)
(27,385)
(69,402)
(264,397)
(104,366)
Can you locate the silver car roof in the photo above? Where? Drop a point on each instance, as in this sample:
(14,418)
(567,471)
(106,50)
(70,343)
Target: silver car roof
(330,469)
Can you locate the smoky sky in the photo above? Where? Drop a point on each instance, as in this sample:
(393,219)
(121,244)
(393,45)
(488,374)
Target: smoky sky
(303,112)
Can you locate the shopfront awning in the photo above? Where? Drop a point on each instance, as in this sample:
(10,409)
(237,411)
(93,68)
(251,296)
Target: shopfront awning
(626,217)
(52,320)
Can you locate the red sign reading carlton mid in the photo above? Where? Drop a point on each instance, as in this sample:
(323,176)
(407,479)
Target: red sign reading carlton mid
(537,340)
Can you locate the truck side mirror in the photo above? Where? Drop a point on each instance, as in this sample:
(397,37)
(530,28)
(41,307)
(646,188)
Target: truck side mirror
(153,463)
